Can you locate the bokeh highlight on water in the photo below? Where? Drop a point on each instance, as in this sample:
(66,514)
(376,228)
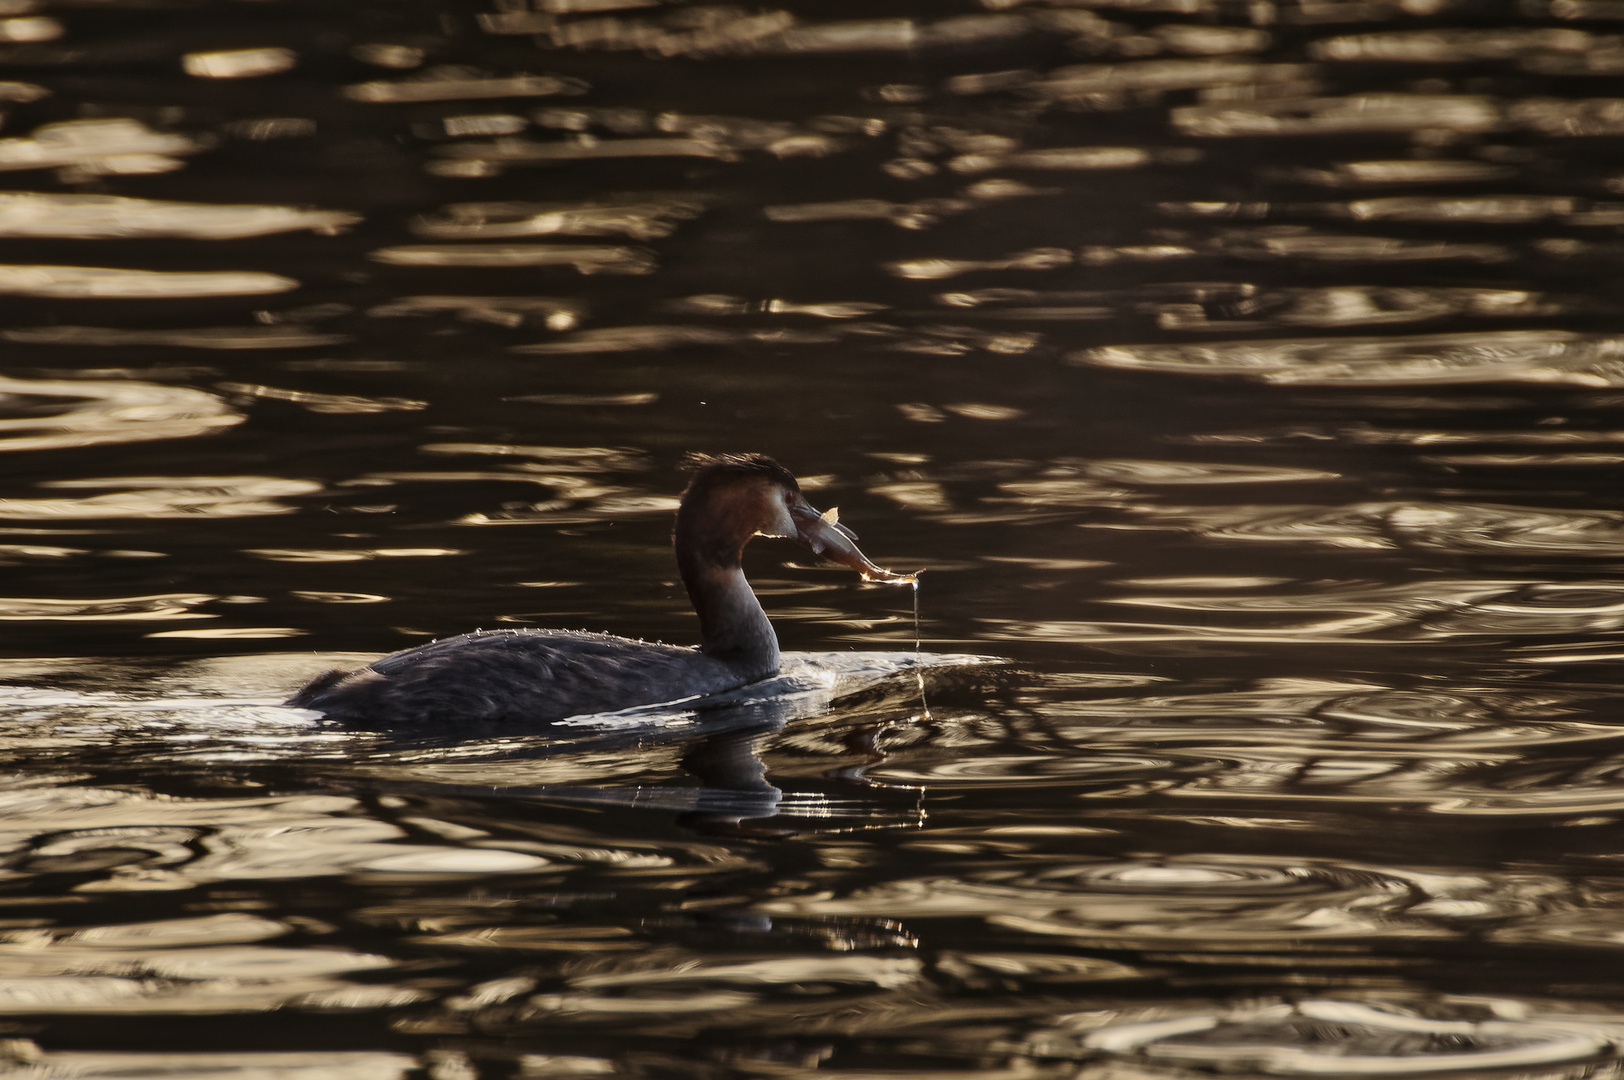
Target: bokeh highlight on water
(1245,376)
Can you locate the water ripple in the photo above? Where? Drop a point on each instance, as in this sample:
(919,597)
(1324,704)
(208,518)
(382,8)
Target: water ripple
(1155,903)
(103,283)
(161,497)
(1486,209)
(1197,473)
(1322,717)
(84,149)
(159,606)
(650,338)
(1407,171)
(1452,46)
(1294,243)
(1359,1037)
(198,337)
(1356,113)
(1456,527)
(238,63)
(207,964)
(1156,77)
(1004,771)
(460,84)
(32,1063)
(630,135)
(583,259)
(325,403)
(1537,356)
(793,971)
(1198,306)
(273,838)
(1410,112)
(639,219)
(555,313)
(1046,258)
(106,411)
(728,32)
(37,214)
(1363,305)
(1364,613)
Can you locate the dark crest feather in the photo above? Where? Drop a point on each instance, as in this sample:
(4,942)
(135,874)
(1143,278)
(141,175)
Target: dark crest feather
(710,468)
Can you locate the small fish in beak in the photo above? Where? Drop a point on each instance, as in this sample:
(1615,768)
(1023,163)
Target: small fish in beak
(826,536)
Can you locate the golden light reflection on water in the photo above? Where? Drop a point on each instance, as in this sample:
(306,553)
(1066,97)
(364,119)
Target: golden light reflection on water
(638,220)
(241,839)
(110,217)
(239,63)
(209,964)
(1370,1034)
(82,149)
(108,411)
(319,555)
(325,403)
(200,337)
(1295,243)
(228,633)
(1356,113)
(161,497)
(103,283)
(156,607)
(1508,356)
(459,84)
(30,1061)
(1440,526)
(1286,770)
(584,259)
(1359,614)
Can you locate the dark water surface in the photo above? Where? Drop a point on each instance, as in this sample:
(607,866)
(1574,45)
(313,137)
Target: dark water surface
(1247,376)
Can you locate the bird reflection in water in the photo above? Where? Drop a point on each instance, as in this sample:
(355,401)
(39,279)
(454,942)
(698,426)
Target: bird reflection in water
(725,742)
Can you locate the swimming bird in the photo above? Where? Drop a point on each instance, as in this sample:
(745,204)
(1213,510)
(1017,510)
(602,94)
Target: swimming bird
(529,676)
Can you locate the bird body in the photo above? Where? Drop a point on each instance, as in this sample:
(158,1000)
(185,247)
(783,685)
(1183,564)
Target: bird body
(529,676)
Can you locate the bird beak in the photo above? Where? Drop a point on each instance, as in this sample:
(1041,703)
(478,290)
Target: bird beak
(826,536)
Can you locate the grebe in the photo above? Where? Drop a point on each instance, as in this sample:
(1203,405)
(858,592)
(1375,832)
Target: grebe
(533,676)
